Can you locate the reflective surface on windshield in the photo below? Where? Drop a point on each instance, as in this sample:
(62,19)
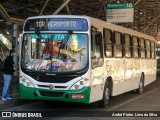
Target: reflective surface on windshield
(55,52)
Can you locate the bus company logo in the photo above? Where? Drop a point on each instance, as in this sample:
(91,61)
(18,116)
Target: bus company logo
(6,114)
(50,86)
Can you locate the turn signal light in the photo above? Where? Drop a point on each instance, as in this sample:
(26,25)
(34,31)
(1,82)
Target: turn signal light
(85,79)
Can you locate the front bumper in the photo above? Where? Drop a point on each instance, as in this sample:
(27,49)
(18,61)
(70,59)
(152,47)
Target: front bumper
(58,95)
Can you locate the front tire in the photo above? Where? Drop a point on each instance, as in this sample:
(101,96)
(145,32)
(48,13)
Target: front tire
(106,94)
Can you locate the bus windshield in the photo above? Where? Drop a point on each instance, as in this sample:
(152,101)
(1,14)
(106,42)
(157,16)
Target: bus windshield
(54,52)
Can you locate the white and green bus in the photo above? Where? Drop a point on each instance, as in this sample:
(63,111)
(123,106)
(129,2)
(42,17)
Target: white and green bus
(83,59)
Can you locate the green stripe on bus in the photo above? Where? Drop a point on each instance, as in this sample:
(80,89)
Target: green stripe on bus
(28,93)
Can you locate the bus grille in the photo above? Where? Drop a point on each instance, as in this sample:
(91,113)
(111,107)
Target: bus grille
(51,94)
(52,79)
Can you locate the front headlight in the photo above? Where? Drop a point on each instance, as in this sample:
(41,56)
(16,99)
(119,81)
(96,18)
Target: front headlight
(79,85)
(26,82)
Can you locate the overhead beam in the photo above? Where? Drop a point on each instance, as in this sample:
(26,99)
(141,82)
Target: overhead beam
(151,23)
(90,3)
(7,18)
(61,7)
(3,13)
(43,7)
(100,9)
(137,2)
(68,10)
(33,10)
(17,8)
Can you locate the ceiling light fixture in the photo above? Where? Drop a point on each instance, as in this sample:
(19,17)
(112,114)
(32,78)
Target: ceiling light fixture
(7,32)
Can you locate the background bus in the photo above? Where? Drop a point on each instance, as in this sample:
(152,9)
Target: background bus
(82,59)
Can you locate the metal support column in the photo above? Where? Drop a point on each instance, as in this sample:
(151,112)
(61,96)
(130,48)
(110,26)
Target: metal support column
(15,45)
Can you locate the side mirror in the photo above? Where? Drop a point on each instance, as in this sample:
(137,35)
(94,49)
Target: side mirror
(98,38)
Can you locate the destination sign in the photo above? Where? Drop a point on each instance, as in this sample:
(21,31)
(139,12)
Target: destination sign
(53,36)
(56,24)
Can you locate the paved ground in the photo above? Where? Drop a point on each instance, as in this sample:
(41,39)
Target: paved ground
(127,104)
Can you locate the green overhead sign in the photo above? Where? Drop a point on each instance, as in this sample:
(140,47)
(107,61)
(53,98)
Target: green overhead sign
(119,6)
(121,12)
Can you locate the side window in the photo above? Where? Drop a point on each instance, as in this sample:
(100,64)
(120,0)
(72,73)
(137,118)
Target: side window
(148,49)
(97,49)
(152,50)
(142,48)
(108,46)
(135,47)
(127,45)
(118,47)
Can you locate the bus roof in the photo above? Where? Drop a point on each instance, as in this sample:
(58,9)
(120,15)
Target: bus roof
(59,16)
(100,23)
(118,28)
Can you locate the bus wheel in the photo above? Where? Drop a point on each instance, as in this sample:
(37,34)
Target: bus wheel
(141,85)
(106,94)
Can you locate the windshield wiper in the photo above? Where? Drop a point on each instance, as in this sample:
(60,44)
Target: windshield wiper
(63,44)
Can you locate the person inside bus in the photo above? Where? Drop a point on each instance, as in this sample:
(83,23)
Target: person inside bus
(50,50)
(8,72)
(47,51)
